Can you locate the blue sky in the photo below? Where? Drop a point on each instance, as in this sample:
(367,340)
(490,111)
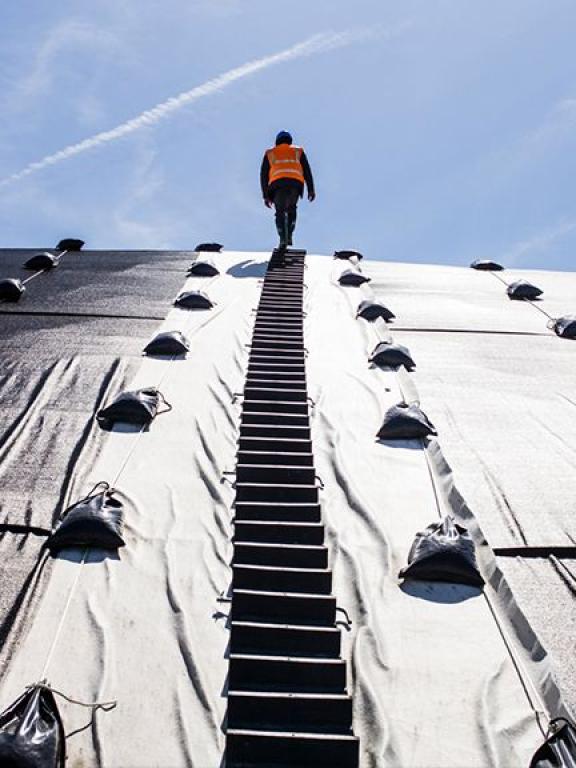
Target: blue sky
(439,131)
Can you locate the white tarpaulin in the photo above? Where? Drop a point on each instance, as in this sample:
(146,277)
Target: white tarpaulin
(434,681)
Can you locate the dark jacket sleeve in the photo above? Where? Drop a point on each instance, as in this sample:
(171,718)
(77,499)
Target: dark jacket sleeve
(307,174)
(264,175)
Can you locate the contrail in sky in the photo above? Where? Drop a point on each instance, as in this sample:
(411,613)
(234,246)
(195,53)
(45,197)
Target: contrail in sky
(316,44)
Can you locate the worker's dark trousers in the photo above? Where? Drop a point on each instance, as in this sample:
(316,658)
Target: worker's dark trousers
(285,201)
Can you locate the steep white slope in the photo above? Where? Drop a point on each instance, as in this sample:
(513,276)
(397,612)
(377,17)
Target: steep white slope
(433,681)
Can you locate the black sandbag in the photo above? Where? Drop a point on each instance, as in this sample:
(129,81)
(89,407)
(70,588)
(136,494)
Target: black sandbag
(70,244)
(210,247)
(347,254)
(138,407)
(193,300)
(42,261)
(168,343)
(372,310)
(444,551)
(204,268)
(565,326)
(11,289)
(96,521)
(31,732)
(559,749)
(388,355)
(522,289)
(486,265)
(351,277)
(404,422)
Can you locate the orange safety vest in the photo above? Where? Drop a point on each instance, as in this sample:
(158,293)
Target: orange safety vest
(285,163)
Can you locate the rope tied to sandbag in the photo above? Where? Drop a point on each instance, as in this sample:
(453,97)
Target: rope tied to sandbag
(528,301)
(555,724)
(44,269)
(103,484)
(106,706)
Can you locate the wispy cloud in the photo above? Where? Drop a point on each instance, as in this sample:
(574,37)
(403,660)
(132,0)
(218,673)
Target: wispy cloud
(555,127)
(136,220)
(63,38)
(541,143)
(319,43)
(540,242)
(560,119)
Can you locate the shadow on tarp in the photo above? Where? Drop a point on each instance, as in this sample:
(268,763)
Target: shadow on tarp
(123,427)
(440,592)
(408,443)
(248,269)
(30,588)
(93,556)
(90,724)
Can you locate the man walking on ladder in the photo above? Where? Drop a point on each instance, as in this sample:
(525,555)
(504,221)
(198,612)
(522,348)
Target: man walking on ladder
(283,172)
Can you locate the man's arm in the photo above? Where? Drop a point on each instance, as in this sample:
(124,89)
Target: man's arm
(264,176)
(308,176)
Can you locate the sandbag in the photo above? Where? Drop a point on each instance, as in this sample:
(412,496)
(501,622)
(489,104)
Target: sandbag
(96,521)
(351,277)
(203,268)
(372,310)
(168,343)
(444,551)
(404,422)
(486,265)
(31,732)
(11,289)
(138,407)
(565,326)
(70,244)
(348,255)
(522,289)
(42,261)
(389,355)
(211,247)
(559,749)
(193,300)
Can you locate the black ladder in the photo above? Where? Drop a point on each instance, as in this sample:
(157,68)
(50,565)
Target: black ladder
(287,695)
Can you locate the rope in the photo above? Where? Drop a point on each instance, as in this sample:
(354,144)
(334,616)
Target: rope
(520,671)
(528,301)
(104,705)
(40,271)
(63,616)
(432,478)
(123,465)
(523,676)
(168,369)
(105,487)
(555,725)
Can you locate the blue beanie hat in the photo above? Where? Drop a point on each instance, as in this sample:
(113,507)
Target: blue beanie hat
(283,138)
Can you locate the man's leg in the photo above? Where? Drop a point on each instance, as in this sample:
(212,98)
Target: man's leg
(292,207)
(282,214)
